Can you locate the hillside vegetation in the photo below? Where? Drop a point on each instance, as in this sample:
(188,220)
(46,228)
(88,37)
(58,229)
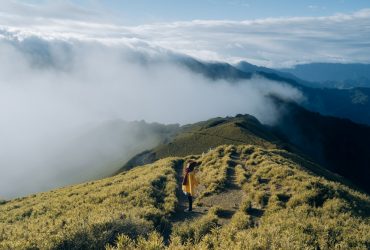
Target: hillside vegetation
(202,136)
(337,144)
(249,198)
(92,214)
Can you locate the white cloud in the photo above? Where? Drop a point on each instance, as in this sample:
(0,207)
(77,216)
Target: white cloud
(275,42)
(53,92)
(49,9)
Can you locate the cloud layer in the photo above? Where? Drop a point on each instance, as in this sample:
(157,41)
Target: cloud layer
(54,92)
(274,42)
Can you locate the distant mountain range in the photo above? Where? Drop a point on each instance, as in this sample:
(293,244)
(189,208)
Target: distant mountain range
(352,103)
(319,75)
(333,75)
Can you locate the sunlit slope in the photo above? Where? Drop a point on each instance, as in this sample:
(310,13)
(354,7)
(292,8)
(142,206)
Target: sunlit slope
(270,199)
(202,136)
(249,198)
(91,214)
(254,198)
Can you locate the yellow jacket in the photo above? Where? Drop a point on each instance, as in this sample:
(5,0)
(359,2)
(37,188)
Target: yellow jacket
(190,184)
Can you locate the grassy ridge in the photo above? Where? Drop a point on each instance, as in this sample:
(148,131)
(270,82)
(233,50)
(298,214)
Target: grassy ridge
(250,198)
(281,205)
(202,136)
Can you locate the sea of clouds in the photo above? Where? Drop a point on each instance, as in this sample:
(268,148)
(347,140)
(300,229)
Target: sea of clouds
(61,78)
(52,92)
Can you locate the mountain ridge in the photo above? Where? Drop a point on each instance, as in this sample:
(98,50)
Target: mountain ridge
(295,131)
(337,75)
(351,103)
(264,197)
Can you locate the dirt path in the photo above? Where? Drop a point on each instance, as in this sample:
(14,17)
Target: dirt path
(180,214)
(229,200)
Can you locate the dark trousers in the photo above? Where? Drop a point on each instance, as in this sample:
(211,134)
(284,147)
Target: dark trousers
(190,198)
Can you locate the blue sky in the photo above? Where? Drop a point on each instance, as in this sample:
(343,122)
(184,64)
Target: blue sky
(267,33)
(134,12)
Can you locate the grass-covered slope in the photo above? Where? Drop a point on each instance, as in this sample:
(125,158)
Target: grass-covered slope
(338,144)
(281,205)
(249,198)
(92,214)
(200,137)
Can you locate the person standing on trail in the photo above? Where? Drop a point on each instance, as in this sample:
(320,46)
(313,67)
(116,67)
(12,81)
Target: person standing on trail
(189,183)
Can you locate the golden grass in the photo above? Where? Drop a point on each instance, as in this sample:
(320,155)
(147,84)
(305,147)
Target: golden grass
(200,137)
(90,215)
(284,206)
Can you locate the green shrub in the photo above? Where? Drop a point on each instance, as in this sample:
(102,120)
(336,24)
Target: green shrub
(153,242)
(240,221)
(194,231)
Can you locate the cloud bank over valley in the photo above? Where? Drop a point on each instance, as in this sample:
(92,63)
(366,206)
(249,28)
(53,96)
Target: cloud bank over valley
(55,92)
